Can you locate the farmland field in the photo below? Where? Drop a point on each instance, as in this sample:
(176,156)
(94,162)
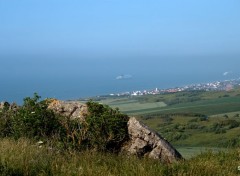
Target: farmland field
(132,105)
(192,121)
(187,102)
(209,107)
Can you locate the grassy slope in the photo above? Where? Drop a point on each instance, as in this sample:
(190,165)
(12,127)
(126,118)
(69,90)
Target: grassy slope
(23,157)
(195,137)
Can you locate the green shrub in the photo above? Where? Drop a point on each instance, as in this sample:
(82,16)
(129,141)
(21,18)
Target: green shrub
(35,120)
(236,115)
(106,127)
(193,125)
(199,119)
(74,134)
(235,142)
(177,136)
(6,118)
(220,131)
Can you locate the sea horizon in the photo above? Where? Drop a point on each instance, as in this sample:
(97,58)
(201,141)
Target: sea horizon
(74,91)
(79,77)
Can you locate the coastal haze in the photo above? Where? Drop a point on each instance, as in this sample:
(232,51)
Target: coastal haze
(69,50)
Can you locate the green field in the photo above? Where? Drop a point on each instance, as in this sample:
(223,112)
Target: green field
(191,121)
(182,131)
(126,105)
(208,103)
(209,107)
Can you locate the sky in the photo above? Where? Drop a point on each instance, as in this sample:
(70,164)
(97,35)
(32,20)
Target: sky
(109,27)
(58,39)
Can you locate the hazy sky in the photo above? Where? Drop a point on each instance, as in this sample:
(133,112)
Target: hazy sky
(111,28)
(45,44)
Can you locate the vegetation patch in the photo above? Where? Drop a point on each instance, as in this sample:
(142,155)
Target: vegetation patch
(71,147)
(104,128)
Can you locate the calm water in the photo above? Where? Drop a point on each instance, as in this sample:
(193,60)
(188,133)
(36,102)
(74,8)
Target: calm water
(74,78)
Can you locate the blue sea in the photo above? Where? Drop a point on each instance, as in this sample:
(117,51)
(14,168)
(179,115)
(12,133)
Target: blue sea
(64,78)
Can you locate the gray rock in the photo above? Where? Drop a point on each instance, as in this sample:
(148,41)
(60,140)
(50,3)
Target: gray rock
(146,142)
(71,109)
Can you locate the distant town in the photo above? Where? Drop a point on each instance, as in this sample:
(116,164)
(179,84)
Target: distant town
(226,85)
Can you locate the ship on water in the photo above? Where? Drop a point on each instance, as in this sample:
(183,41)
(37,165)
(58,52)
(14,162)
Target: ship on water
(123,77)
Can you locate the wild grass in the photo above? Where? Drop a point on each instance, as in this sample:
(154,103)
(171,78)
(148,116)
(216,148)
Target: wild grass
(25,157)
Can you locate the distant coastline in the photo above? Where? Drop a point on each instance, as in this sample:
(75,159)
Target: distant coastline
(226,85)
(124,87)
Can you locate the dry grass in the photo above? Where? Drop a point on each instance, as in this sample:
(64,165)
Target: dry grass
(24,157)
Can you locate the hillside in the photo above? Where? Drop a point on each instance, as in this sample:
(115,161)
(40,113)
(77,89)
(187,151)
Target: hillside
(194,119)
(38,141)
(24,157)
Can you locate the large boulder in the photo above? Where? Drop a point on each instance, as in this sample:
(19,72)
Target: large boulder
(145,142)
(142,141)
(71,109)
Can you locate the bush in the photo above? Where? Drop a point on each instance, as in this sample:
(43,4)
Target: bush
(235,142)
(220,131)
(236,115)
(199,119)
(178,136)
(72,135)
(106,127)
(193,126)
(35,120)
(233,124)
(6,118)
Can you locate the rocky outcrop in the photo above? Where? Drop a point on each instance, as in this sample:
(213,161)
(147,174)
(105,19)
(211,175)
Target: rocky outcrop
(142,140)
(145,142)
(71,109)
